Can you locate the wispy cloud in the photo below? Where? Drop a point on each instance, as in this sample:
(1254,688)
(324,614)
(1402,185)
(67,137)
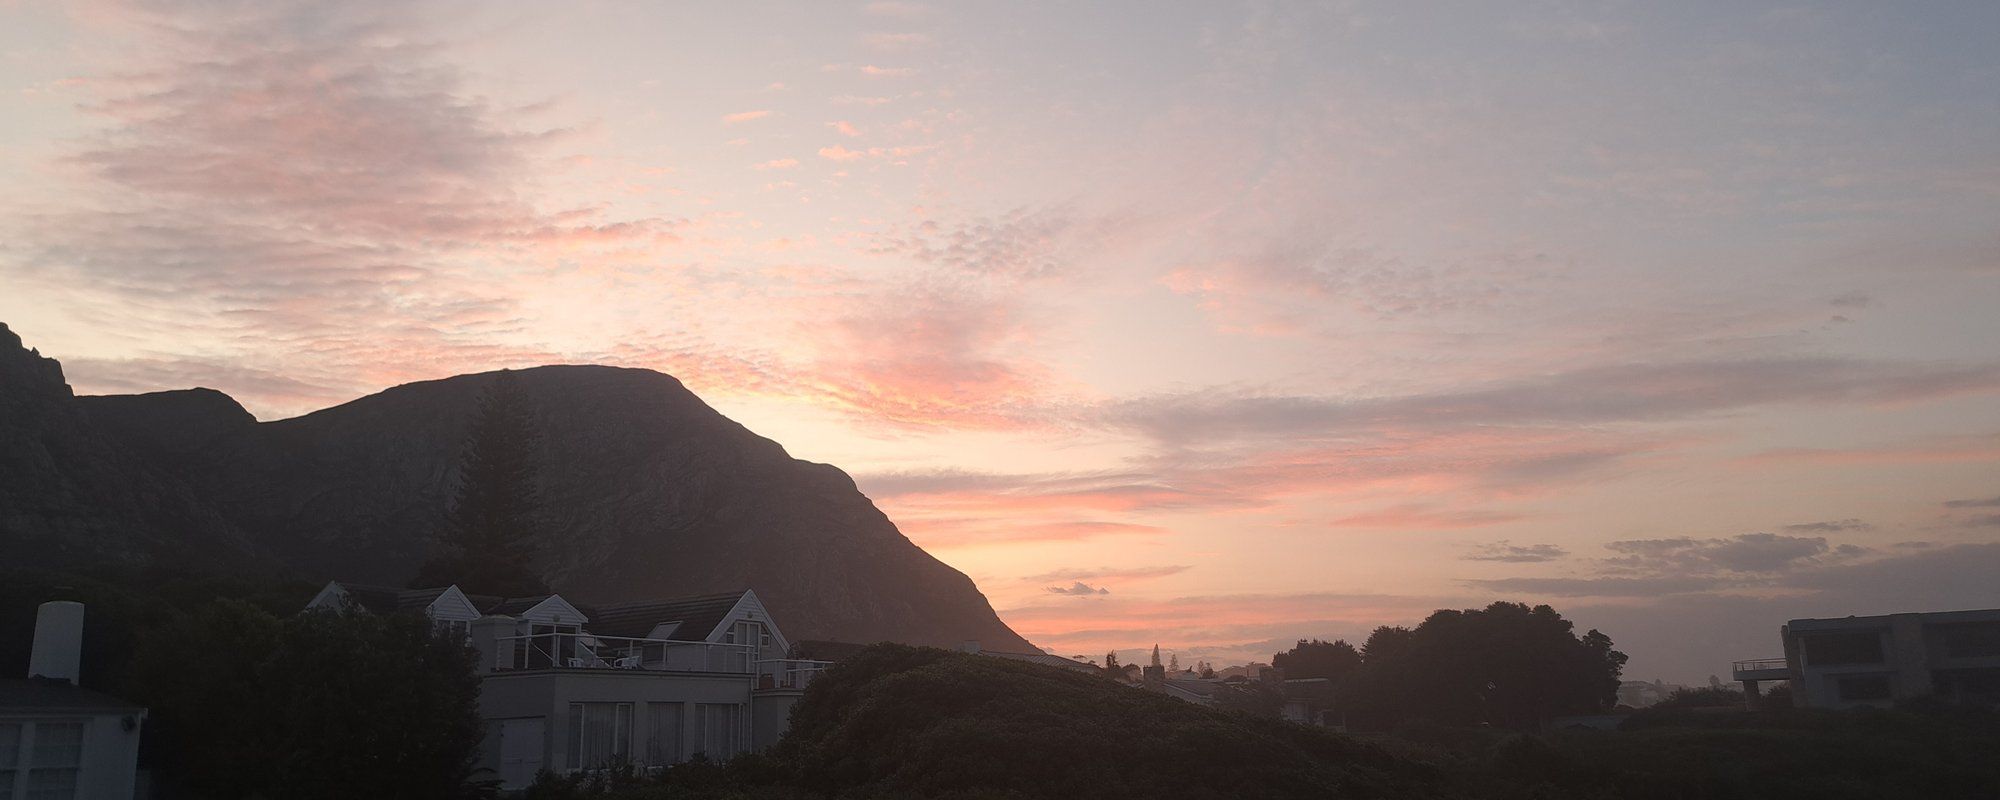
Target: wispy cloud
(1830,526)
(1108,573)
(897,41)
(843,153)
(309,179)
(1508,552)
(745,116)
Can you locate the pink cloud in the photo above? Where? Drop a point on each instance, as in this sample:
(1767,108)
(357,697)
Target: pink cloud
(744,116)
(777,163)
(842,153)
(1411,517)
(951,533)
(1943,450)
(844,127)
(892,42)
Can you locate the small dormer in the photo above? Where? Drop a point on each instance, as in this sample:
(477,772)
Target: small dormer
(748,623)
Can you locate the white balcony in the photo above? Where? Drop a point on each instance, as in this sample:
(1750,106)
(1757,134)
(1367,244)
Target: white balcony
(788,673)
(590,651)
(1760,669)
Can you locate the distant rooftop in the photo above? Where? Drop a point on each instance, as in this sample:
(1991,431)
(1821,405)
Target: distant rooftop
(389,599)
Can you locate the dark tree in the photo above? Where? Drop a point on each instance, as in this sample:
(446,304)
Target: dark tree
(488,540)
(1111,668)
(1506,664)
(320,705)
(1386,643)
(1317,659)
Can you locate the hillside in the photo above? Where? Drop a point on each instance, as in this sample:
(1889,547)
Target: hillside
(918,722)
(648,492)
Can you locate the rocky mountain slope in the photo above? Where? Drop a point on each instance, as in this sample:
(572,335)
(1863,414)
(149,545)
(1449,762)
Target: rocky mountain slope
(649,492)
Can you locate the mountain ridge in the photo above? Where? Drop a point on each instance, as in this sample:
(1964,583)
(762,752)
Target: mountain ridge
(649,492)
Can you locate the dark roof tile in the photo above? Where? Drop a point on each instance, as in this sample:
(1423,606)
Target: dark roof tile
(698,616)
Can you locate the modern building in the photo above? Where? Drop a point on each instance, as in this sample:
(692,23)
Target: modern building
(1876,661)
(59,741)
(648,684)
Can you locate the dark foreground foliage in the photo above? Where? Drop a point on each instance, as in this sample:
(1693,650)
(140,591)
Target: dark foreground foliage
(925,722)
(911,722)
(249,699)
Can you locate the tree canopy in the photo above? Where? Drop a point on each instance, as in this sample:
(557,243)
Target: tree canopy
(488,540)
(319,705)
(1317,659)
(1507,664)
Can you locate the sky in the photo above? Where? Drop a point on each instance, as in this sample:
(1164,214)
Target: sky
(1213,325)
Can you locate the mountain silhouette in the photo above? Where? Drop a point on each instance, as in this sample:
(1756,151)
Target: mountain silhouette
(647,492)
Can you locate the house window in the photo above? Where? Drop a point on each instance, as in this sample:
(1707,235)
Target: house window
(719,726)
(1864,687)
(1971,640)
(663,733)
(600,734)
(1844,648)
(750,633)
(41,758)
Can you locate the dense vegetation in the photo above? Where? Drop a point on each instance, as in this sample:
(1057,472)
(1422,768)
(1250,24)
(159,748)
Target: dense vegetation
(904,722)
(1507,664)
(246,703)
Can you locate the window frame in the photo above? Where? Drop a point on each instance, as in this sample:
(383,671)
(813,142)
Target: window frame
(621,734)
(25,758)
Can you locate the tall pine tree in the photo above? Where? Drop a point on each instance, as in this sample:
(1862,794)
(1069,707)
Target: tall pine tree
(489,534)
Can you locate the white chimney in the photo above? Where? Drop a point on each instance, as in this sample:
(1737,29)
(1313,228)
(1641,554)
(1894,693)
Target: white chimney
(58,641)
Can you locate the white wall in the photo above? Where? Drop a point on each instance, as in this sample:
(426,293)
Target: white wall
(110,753)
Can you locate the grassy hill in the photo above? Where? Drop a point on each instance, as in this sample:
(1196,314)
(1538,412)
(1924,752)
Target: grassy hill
(925,722)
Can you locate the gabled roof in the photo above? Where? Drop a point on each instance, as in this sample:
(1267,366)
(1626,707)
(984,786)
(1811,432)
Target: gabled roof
(698,616)
(511,606)
(44,695)
(389,599)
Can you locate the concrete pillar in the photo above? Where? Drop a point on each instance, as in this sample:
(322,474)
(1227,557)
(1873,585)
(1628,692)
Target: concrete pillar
(1751,699)
(1909,654)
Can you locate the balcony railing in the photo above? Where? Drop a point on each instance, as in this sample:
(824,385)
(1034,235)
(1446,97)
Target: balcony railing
(788,673)
(591,651)
(1739,668)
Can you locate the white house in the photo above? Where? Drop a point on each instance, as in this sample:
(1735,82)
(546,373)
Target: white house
(568,687)
(59,741)
(1849,662)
